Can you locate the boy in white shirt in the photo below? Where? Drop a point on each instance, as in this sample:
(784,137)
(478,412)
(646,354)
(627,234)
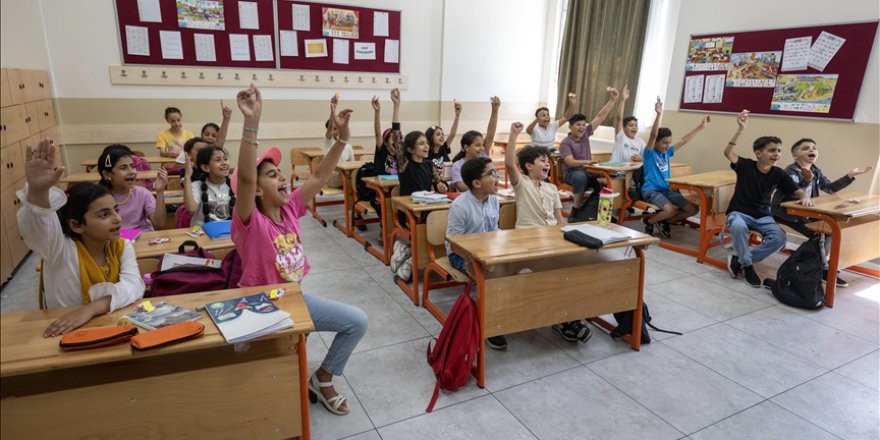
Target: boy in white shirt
(543,130)
(627,146)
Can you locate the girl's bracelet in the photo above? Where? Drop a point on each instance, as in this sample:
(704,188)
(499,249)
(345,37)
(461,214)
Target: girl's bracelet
(250,141)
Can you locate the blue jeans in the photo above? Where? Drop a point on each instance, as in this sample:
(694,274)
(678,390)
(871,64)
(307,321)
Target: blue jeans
(348,322)
(739,225)
(580,180)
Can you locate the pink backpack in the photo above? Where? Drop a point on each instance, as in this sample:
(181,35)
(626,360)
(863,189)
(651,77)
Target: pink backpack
(453,355)
(189,279)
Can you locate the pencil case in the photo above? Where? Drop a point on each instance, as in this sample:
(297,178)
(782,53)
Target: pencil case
(168,335)
(95,337)
(582,239)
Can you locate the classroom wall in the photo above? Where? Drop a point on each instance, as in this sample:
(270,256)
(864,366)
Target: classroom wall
(843,145)
(24,41)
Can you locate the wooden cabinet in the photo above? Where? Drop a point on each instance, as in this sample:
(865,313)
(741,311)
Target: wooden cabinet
(27,114)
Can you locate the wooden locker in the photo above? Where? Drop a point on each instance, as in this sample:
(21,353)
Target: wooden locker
(33,117)
(15,128)
(16,86)
(5,97)
(16,161)
(45,114)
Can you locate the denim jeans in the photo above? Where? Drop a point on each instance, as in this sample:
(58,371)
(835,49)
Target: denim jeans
(348,322)
(739,225)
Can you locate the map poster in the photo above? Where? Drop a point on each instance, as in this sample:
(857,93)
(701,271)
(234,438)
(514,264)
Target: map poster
(709,53)
(804,93)
(753,69)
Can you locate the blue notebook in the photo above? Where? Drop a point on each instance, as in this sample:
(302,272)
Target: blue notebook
(388,177)
(218,229)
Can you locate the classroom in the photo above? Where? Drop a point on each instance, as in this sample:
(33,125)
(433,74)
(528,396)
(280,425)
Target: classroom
(742,365)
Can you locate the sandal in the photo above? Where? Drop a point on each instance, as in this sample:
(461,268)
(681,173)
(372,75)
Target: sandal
(332,404)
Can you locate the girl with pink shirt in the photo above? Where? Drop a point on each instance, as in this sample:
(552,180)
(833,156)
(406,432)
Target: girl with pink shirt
(137,207)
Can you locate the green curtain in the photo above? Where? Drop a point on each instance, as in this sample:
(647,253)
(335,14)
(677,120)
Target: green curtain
(601,46)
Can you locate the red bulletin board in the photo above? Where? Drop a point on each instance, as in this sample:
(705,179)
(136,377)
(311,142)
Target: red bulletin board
(127,14)
(849,63)
(285,23)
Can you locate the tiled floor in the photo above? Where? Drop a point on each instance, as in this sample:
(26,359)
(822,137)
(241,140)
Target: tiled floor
(745,368)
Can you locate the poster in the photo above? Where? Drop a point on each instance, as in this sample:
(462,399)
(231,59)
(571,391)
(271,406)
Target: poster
(340,23)
(824,49)
(316,48)
(171,44)
(804,93)
(364,51)
(301,18)
(205,50)
(200,14)
(709,53)
(796,54)
(693,88)
(248,15)
(753,69)
(149,11)
(137,40)
(289,44)
(714,90)
(340,51)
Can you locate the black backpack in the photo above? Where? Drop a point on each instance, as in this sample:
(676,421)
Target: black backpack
(625,323)
(799,279)
(364,193)
(589,209)
(635,184)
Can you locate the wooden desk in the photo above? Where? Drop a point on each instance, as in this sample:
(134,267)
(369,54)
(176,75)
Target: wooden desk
(95,177)
(317,153)
(567,282)
(623,200)
(345,169)
(383,188)
(201,388)
(854,224)
(416,233)
(173,197)
(143,248)
(714,190)
(92,163)
(314,156)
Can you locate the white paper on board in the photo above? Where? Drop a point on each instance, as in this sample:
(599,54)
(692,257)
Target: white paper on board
(365,51)
(824,49)
(693,88)
(205,50)
(248,16)
(392,51)
(340,51)
(380,24)
(149,11)
(137,40)
(796,54)
(263,48)
(289,44)
(239,47)
(301,18)
(714,90)
(172,46)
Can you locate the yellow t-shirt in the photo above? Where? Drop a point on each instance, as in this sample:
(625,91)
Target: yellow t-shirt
(166,141)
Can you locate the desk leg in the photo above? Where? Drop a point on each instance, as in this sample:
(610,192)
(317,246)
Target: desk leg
(347,203)
(412,291)
(706,233)
(480,277)
(382,255)
(304,387)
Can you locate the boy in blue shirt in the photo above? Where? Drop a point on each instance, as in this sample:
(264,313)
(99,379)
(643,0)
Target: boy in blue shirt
(749,206)
(655,189)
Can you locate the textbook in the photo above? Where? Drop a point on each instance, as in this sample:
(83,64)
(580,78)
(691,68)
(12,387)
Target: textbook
(130,234)
(164,314)
(248,317)
(606,235)
(429,197)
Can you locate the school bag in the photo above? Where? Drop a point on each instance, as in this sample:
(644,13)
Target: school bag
(189,279)
(452,355)
(363,192)
(635,184)
(589,209)
(625,323)
(799,279)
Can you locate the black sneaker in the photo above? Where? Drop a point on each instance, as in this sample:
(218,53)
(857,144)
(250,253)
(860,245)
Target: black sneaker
(840,282)
(751,277)
(573,331)
(497,342)
(649,228)
(733,266)
(664,229)
(768,283)
(586,333)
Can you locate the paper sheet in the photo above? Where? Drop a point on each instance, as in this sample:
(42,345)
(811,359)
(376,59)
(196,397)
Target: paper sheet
(301,18)
(796,53)
(205,50)
(149,11)
(263,48)
(239,47)
(713,92)
(380,24)
(172,46)
(248,17)
(316,48)
(137,41)
(693,88)
(340,51)
(289,44)
(364,51)
(392,51)
(824,49)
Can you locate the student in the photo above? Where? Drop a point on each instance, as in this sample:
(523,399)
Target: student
(138,208)
(439,143)
(627,145)
(170,140)
(190,152)
(655,188)
(474,145)
(215,135)
(575,152)
(266,232)
(387,142)
(85,262)
(210,198)
(417,172)
(331,135)
(810,178)
(749,206)
(543,130)
(476,210)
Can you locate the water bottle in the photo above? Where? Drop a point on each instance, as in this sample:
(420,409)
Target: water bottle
(605,199)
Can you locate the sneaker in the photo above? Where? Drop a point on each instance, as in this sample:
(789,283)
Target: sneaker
(586,334)
(573,331)
(840,282)
(497,342)
(649,228)
(664,229)
(733,266)
(768,283)
(751,277)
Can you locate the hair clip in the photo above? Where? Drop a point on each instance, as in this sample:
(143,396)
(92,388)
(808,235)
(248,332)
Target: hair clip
(107,163)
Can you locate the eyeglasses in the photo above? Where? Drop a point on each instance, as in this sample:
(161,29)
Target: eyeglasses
(493,172)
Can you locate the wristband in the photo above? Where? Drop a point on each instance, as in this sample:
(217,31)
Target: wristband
(251,129)
(251,141)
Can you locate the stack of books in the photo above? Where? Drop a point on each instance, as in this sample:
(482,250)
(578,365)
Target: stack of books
(429,197)
(248,317)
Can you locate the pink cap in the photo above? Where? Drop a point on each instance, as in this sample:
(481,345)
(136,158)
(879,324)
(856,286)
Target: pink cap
(273,154)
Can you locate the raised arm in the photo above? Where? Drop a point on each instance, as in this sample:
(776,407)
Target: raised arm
(618,117)
(510,166)
(189,200)
(322,172)
(741,121)
(377,121)
(395,109)
(603,112)
(224,125)
(569,110)
(454,129)
(532,126)
(250,102)
(652,138)
(489,140)
(160,216)
(687,138)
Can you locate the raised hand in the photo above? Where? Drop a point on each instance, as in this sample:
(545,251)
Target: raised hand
(456,106)
(162,179)
(187,168)
(742,119)
(226,110)
(658,107)
(341,120)
(614,93)
(706,120)
(862,170)
(250,102)
(395,96)
(40,169)
(572,98)
(625,93)
(375,103)
(496,102)
(516,128)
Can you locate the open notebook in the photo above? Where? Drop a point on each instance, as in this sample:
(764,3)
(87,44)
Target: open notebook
(606,235)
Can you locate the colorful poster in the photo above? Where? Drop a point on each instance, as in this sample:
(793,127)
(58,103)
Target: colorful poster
(753,69)
(709,53)
(804,93)
(340,23)
(200,14)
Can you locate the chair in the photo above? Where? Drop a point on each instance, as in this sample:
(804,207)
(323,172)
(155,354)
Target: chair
(326,191)
(360,209)
(507,216)
(439,263)
(299,164)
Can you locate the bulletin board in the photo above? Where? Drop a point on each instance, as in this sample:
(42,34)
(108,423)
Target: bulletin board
(370,36)
(142,22)
(814,71)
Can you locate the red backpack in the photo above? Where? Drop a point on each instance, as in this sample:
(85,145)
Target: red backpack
(189,279)
(453,355)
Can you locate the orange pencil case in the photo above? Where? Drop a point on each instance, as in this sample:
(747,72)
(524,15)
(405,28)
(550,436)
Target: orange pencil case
(168,335)
(94,337)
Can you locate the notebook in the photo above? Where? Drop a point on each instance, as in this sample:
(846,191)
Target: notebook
(388,177)
(217,229)
(614,164)
(130,234)
(606,235)
(164,314)
(248,317)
